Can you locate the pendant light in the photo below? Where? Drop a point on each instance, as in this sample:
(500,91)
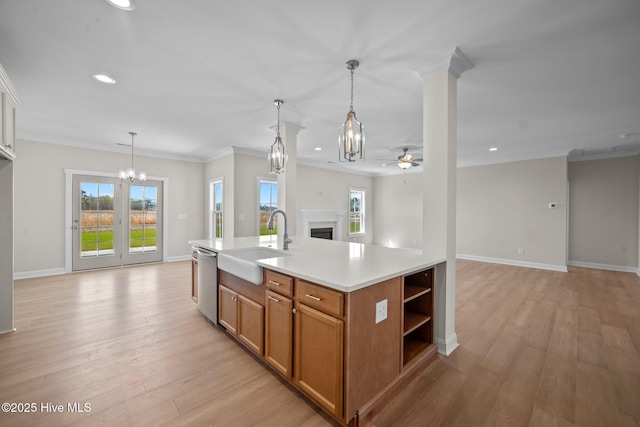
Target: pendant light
(277,156)
(351,133)
(130,173)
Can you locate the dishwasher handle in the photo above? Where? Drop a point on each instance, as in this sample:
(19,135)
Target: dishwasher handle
(205,253)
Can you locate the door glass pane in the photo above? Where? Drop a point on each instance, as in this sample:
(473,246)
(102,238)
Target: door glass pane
(96,219)
(143,209)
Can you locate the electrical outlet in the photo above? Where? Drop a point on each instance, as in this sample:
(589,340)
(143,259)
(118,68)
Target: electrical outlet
(520,251)
(381,310)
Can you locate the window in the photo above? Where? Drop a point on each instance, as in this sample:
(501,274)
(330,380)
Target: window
(267,202)
(215,209)
(356,211)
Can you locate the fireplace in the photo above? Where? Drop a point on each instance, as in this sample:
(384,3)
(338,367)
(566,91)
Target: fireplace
(322,233)
(321,219)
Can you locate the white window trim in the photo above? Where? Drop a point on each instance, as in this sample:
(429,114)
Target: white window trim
(363,227)
(211,209)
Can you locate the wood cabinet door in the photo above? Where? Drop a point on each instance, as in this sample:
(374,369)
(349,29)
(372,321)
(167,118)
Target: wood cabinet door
(251,324)
(228,307)
(318,368)
(279,333)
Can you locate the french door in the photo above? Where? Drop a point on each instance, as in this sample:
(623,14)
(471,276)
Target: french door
(115,223)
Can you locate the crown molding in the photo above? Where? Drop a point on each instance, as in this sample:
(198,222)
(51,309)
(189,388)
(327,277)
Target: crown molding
(289,127)
(7,87)
(624,150)
(227,151)
(249,152)
(456,63)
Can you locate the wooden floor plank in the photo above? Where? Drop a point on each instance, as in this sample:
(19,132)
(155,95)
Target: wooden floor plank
(537,348)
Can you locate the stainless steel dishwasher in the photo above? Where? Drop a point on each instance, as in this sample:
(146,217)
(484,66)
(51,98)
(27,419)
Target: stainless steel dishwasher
(208,284)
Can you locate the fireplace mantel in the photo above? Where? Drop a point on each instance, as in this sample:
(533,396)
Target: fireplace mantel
(336,218)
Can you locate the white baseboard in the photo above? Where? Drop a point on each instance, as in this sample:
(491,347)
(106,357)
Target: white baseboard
(8,332)
(554,267)
(446,346)
(611,267)
(38,273)
(61,270)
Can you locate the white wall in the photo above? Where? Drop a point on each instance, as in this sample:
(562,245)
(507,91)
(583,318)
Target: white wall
(221,167)
(247,171)
(603,223)
(504,207)
(40,199)
(501,208)
(397,203)
(323,189)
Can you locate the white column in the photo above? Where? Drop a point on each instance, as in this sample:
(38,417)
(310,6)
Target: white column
(439,187)
(287,182)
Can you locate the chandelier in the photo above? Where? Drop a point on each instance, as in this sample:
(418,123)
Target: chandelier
(130,173)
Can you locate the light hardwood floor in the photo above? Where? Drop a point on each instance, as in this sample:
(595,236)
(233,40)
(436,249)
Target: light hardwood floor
(538,348)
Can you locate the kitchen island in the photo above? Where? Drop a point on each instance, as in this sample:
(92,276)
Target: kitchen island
(348,324)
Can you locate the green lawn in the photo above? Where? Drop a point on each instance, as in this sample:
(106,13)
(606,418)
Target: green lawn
(264,231)
(103,240)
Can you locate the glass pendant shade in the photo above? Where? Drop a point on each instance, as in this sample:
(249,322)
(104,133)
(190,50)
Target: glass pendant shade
(351,133)
(277,155)
(351,139)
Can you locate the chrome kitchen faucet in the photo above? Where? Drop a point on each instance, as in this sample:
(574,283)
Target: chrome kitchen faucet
(287,240)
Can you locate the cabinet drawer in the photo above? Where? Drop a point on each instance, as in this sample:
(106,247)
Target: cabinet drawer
(323,299)
(279,283)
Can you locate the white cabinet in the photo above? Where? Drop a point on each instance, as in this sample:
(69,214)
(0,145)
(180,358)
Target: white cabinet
(9,100)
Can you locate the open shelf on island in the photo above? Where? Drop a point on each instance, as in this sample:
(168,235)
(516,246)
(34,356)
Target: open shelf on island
(412,291)
(418,312)
(413,320)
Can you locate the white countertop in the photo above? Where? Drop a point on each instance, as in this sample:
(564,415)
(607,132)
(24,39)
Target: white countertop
(343,266)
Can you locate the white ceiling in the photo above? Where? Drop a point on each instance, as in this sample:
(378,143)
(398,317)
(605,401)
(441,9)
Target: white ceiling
(197,76)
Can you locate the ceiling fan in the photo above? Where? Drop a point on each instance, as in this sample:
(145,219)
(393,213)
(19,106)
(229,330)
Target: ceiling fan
(406,160)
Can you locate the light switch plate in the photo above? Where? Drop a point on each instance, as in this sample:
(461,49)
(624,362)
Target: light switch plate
(381,310)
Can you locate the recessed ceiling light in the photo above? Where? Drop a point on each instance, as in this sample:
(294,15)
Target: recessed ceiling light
(318,148)
(493,149)
(384,164)
(103,78)
(122,4)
